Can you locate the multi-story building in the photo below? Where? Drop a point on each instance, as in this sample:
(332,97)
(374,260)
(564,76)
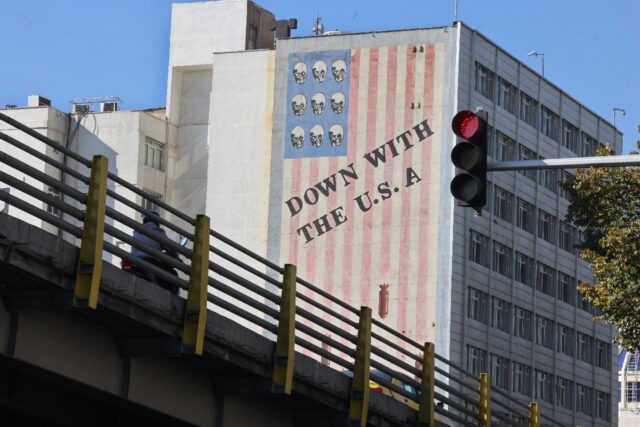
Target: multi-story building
(352,186)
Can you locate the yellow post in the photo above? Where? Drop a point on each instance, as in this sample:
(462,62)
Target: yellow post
(426,415)
(484,404)
(359,401)
(90,257)
(285,351)
(195,315)
(534,415)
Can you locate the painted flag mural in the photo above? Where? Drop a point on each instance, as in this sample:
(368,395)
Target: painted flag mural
(361,179)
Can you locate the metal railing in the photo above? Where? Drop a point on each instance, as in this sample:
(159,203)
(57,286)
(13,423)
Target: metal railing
(253,290)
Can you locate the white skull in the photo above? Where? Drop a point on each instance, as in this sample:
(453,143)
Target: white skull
(315,135)
(337,102)
(300,72)
(317,103)
(297,137)
(336,134)
(339,70)
(298,104)
(319,70)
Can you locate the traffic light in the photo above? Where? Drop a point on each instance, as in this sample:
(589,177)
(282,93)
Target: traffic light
(470,155)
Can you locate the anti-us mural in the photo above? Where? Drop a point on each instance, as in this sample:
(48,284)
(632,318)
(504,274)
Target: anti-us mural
(361,179)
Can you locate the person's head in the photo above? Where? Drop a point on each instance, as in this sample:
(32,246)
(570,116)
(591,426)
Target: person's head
(152,216)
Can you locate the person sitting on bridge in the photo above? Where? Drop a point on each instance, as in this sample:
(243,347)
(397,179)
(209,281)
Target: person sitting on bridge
(151,223)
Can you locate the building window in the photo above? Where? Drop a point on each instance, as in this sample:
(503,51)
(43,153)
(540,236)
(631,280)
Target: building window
(522,378)
(603,353)
(500,314)
(566,288)
(564,393)
(479,249)
(584,347)
(501,259)
(584,399)
(632,391)
(565,176)
(570,136)
(484,81)
(524,219)
(499,371)
(545,279)
(524,269)
(589,145)
(478,305)
(476,360)
(544,332)
(583,304)
(602,405)
(565,339)
(550,125)
(544,386)
(548,179)
(502,203)
(505,147)
(522,319)
(253,37)
(507,95)
(527,154)
(55,193)
(546,226)
(567,233)
(528,110)
(154,153)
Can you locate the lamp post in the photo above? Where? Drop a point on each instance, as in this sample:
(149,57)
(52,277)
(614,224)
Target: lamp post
(615,110)
(536,54)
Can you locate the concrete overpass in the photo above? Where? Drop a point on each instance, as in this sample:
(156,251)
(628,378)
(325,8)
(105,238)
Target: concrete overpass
(123,364)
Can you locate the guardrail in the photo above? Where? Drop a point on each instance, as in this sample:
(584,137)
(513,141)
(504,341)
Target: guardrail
(258,292)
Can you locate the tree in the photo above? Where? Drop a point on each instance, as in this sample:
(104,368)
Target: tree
(606,202)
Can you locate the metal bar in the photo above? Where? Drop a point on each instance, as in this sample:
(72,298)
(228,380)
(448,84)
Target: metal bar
(458,368)
(327,310)
(245,266)
(41,196)
(120,198)
(359,396)
(326,325)
(426,415)
(284,358)
(246,251)
(484,402)
(42,177)
(50,142)
(40,214)
(324,339)
(397,334)
(565,163)
(258,321)
(244,283)
(90,256)
(195,312)
(41,156)
(243,298)
(394,346)
(323,353)
(454,379)
(451,390)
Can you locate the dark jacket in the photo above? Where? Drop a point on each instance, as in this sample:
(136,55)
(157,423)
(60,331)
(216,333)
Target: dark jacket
(151,226)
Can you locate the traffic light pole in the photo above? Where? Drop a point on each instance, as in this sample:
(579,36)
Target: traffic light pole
(565,163)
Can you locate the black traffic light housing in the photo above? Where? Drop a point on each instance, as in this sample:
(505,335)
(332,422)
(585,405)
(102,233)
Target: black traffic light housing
(470,156)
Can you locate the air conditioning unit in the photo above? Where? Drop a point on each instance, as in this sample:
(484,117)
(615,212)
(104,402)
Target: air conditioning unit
(108,107)
(38,101)
(81,108)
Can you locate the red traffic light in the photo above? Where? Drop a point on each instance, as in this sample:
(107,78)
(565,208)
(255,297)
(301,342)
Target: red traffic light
(466,124)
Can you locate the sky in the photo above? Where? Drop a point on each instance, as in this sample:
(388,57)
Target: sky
(69,49)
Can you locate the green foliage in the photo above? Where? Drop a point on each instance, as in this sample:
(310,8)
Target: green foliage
(606,202)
